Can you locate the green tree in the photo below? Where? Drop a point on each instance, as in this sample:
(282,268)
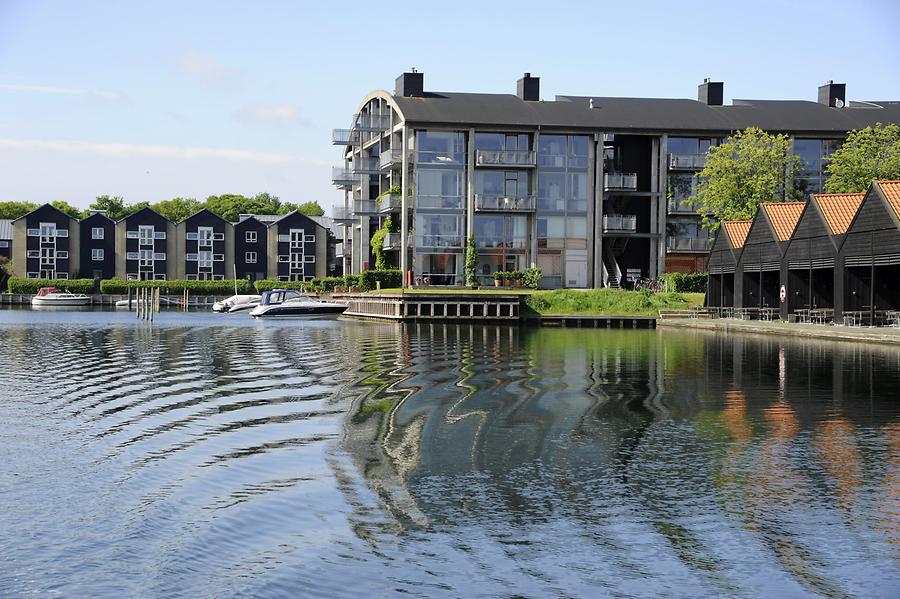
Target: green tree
(114,206)
(307,208)
(231,206)
(869,154)
(68,209)
(471,266)
(751,167)
(13,210)
(177,209)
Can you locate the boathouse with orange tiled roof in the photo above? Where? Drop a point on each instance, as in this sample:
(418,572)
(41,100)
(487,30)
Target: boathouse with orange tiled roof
(758,274)
(723,260)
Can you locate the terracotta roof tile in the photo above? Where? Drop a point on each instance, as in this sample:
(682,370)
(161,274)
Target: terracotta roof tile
(737,231)
(784,217)
(891,191)
(838,209)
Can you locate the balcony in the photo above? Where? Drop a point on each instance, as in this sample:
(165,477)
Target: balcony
(373,122)
(366,166)
(392,241)
(688,162)
(490,203)
(619,223)
(678,207)
(687,244)
(439,241)
(620,181)
(442,158)
(389,158)
(390,203)
(342,177)
(342,215)
(504,158)
(364,207)
(344,137)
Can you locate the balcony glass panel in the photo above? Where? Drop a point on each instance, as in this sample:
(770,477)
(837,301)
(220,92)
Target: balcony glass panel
(366,165)
(504,158)
(626,181)
(440,147)
(344,137)
(688,244)
(505,203)
(620,222)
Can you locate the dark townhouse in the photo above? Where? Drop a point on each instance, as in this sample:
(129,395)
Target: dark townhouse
(144,242)
(297,248)
(251,245)
(204,247)
(98,246)
(594,190)
(45,244)
(6,237)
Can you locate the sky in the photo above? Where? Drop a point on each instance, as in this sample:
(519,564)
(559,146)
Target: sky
(161,99)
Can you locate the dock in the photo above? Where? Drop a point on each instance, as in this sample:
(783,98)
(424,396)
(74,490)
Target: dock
(402,307)
(791,329)
(99,299)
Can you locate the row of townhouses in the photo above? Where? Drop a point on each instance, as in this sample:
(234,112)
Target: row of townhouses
(592,190)
(49,244)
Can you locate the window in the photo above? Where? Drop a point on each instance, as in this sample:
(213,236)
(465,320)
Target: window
(159,255)
(250,236)
(33,275)
(133,256)
(280,278)
(297,238)
(159,235)
(97,232)
(33,232)
(4,243)
(62,275)
(62,232)
(309,259)
(160,277)
(218,257)
(284,258)
(190,257)
(131,234)
(146,258)
(218,277)
(297,261)
(33,254)
(204,259)
(97,254)
(191,236)
(48,232)
(205,237)
(309,238)
(191,277)
(63,255)
(132,276)
(218,236)
(250,257)
(145,234)
(48,257)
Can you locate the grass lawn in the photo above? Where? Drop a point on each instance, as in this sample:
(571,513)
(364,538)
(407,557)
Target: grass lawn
(586,302)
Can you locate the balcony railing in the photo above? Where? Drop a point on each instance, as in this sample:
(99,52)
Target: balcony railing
(392,241)
(439,241)
(342,176)
(390,158)
(344,137)
(678,207)
(687,244)
(492,203)
(619,223)
(504,158)
(366,166)
(444,158)
(390,203)
(365,207)
(373,122)
(439,202)
(342,214)
(687,161)
(519,243)
(621,181)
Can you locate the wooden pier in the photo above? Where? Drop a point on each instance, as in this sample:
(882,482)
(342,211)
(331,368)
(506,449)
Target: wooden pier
(431,306)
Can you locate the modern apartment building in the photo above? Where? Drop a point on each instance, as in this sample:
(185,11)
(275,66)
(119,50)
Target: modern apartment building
(590,189)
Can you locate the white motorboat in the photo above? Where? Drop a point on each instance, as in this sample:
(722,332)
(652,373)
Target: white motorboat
(237,303)
(289,303)
(51,296)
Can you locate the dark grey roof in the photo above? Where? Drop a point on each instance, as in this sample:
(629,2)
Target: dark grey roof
(6,228)
(643,114)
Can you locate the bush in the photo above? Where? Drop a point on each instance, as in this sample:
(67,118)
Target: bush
(326,284)
(388,278)
(352,281)
(532,277)
(269,284)
(23,285)
(680,282)
(175,286)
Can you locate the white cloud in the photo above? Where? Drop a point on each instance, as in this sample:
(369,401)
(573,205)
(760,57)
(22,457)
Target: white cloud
(273,114)
(206,69)
(78,171)
(64,91)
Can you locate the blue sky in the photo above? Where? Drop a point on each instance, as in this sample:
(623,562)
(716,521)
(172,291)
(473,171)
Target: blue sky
(161,99)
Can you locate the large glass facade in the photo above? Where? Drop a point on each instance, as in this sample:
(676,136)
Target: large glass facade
(563,194)
(814,155)
(440,192)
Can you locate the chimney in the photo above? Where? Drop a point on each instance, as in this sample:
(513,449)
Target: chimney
(529,88)
(711,93)
(833,94)
(410,84)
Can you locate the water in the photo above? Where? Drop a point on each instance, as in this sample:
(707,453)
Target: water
(210,455)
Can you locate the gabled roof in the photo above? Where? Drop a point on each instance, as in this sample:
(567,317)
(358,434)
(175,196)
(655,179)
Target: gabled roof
(784,217)
(144,209)
(41,207)
(737,231)
(891,192)
(292,213)
(838,209)
(6,229)
(201,211)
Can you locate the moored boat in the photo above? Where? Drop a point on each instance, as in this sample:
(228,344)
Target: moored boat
(52,296)
(289,303)
(237,303)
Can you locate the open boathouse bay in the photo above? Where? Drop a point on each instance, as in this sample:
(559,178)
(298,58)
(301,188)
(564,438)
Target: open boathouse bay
(215,456)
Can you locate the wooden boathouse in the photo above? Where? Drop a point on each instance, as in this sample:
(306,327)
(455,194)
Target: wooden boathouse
(759,268)
(809,274)
(723,261)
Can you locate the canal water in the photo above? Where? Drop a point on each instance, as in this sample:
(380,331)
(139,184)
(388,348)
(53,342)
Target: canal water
(213,456)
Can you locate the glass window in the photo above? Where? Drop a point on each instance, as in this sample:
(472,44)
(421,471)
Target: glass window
(810,152)
(440,147)
(551,231)
(97,254)
(438,230)
(576,234)
(683,145)
(250,237)
(96,232)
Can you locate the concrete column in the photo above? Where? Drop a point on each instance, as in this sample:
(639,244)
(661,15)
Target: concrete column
(179,257)
(75,250)
(598,209)
(533,190)
(663,204)
(653,267)
(229,251)
(404,206)
(121,249)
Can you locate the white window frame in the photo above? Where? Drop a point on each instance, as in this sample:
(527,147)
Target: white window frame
(297,261)
(250,237)
(62,232)
(132,235)
(218,277)
(284,238)
(4,243)
(32,253)
(283,278)
(218,236)
(191,257)
(62,255)
(284,258)
(132,255)
(297,237)
(159,235)
(191,277)
(205,259)
(204,237)
(62,275)
(309,259)
(48,232)
(218,257)
(250,257)
(309,238)
(132,276)
(33,233)
(97,254)
(145,235)
(33,275)
(48,257)
(145,259)
(191,236)
(97,233)
(159,255)
(159,277)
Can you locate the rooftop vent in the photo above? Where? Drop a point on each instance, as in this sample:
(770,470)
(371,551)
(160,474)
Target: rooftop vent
(833,94)
(410,84)
(529,88)
(711,93)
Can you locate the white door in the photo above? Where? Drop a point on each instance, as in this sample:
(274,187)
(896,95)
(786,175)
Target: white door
(576,268)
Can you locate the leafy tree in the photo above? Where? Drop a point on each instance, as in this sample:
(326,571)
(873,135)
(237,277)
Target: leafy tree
(307,208)
(471,266)
(231,206)
(13,210)
(751,167)
(869,154)
(6,271)
(177,209)
(114,206)
(68,209)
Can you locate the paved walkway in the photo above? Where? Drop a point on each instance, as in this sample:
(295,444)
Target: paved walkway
(832,332)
